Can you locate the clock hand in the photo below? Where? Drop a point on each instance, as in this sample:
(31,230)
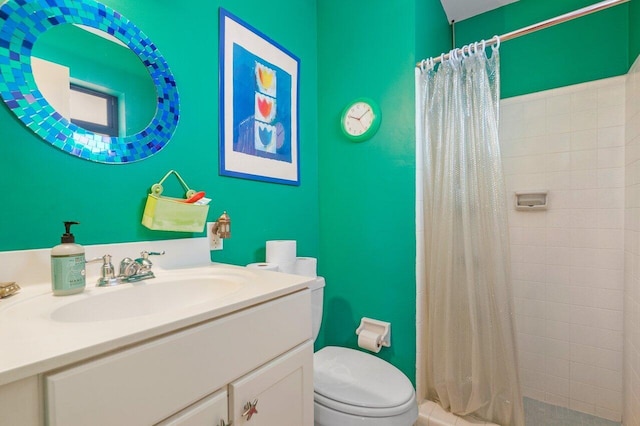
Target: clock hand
(365,113)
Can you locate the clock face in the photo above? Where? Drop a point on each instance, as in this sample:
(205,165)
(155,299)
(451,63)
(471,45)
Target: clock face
(360,120)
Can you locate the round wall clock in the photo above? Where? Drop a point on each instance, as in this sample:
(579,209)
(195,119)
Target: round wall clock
(360,119)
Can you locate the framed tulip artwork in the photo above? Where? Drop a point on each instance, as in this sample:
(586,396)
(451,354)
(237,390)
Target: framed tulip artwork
(258,105)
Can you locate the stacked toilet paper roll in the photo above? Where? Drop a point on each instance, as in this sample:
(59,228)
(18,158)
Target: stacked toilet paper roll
(283,254)
(307,266)
(263,265)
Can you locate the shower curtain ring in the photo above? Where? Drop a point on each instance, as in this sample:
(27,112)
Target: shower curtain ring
(497,45)
(442,58)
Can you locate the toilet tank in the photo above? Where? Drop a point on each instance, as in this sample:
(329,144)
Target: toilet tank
(317,298)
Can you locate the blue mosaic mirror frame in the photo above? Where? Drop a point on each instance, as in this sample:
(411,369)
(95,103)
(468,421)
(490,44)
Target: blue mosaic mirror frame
(22,22)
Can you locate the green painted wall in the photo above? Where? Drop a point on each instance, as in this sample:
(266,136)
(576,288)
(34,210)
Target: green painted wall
(41,186)
(588,48)
(367,243)
(433,34)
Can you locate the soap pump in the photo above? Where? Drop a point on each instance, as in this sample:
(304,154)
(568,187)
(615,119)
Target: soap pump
(67,265)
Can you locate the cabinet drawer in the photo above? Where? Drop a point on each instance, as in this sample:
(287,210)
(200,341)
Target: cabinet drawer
(208,412)
(150,382)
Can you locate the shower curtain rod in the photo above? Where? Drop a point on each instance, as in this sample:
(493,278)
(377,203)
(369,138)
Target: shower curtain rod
(542,25)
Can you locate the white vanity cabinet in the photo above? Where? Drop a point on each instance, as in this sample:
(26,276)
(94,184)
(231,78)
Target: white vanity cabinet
(277,393)
(201,374)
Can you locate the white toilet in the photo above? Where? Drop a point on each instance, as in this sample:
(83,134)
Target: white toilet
(352,387)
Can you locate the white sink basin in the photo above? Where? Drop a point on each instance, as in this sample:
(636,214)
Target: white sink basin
(146,298)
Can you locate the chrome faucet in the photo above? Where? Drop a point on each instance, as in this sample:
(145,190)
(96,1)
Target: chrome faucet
(139,269)
(131,270)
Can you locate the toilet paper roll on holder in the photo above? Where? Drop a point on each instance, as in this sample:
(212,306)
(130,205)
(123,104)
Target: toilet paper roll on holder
(381,328)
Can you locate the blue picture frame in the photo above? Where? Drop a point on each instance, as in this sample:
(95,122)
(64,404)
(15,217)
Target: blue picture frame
(259,82)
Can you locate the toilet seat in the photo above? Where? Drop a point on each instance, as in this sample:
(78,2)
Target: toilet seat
(353,382)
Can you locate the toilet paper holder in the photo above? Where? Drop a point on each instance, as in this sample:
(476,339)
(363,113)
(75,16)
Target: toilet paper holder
(381,328)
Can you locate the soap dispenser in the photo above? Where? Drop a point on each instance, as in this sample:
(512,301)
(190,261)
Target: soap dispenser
(67,265)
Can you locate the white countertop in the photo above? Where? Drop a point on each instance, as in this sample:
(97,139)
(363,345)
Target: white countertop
(34,338)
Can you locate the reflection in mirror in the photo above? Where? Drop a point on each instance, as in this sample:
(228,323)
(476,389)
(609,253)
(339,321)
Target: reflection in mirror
(22,23)
(89,77)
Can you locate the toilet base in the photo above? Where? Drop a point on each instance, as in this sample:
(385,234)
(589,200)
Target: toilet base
(324,416)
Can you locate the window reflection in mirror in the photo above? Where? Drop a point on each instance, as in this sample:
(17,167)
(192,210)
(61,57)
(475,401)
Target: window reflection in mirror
(94,110)
(68,55)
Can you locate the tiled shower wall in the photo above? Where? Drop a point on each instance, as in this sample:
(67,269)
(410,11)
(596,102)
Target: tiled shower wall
(631,367)
(568,261)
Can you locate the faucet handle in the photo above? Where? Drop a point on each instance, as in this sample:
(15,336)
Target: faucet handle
(143,260)
(107,274)
(145,254)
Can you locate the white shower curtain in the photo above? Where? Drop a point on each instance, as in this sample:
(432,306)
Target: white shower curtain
(469,335)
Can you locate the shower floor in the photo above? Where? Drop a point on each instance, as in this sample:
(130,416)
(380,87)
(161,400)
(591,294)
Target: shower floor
(539,413)
(536,413)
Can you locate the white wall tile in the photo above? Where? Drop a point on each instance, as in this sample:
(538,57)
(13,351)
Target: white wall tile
(584,99)
(557,105)
(558,142)
(611,116)
(535,109)
(584,120)
(610,157)
(584,139)
(557,330)
(558,161)
(610,178)
(611,198)
(584,277)
(610,96)
(584,218)
(569,261)
(586,178)
(609,299)
(609,137)
(584,238)
(584,160)
(559,123)
(558,180)
(608,359)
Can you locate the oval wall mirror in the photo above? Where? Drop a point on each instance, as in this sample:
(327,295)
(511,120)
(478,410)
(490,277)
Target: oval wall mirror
(22,24)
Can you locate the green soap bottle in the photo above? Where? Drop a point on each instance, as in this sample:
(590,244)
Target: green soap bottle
(67,265)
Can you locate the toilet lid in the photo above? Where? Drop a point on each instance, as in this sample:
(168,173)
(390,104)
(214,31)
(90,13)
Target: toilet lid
(354,380)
